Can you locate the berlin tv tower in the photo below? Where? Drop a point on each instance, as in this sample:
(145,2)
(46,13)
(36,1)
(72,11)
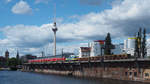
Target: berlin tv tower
(54,29)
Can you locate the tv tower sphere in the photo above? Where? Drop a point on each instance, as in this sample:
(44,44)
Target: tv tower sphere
(55,28)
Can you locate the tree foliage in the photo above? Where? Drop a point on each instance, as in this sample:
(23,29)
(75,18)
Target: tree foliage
(12,62)
(108,44)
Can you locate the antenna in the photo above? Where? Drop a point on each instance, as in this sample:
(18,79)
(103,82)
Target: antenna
(54,12)
(54,29)
(62,52)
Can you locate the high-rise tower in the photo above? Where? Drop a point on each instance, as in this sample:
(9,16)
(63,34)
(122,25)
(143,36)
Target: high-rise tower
(17,56)
(54,29)
(7,55)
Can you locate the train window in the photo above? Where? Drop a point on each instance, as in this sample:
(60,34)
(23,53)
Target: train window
(130,73)
(135,73)
(126,73)
(146,74)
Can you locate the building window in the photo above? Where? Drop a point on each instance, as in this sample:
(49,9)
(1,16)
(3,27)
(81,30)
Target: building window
(126,73)
(135,73)
(130,73)
(146,74)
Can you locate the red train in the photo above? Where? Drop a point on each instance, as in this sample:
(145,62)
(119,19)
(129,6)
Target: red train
(46,60)
(60,58)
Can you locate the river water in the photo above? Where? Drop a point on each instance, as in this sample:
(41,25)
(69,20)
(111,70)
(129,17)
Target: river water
(18,77)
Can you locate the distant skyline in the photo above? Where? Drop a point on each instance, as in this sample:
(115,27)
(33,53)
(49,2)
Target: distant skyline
(26,24)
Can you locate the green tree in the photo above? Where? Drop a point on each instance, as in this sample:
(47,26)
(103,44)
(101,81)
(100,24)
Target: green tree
(144,51)
(12,62)
(108,45)
(136,47)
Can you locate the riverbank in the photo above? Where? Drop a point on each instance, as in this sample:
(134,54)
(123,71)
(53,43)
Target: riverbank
(89,74)
(9,69)
(4,69)
(104,80)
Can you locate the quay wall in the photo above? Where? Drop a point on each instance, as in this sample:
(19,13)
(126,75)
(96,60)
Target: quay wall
(130,71)
(111,73)
(99,72)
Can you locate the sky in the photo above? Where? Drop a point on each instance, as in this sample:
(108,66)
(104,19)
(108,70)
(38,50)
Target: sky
(26,25)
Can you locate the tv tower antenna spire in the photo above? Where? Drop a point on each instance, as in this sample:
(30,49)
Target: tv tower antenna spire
(54,29)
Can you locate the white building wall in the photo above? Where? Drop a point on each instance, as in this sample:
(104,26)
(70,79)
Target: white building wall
(95,49)
(125,44)
(83,54)
(131,43)
(148,52)
(80,53)
(130,51)
(129,46)
(148,47)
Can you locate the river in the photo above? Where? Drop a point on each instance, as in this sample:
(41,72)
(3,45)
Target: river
(18,77)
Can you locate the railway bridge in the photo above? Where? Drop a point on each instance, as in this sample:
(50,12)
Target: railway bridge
(123,69)
(78,65)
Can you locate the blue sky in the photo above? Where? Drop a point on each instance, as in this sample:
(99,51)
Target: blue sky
(26,24)
(42,13)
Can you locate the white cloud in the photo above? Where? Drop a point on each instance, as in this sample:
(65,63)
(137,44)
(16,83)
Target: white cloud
(42,1)
(7,1)
(27,36)
(21,7)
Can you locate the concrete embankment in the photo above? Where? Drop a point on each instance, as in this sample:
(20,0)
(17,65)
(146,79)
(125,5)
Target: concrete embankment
(98,73)
(89,74)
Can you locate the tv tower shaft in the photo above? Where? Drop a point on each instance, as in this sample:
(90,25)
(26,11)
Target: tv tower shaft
(54,30)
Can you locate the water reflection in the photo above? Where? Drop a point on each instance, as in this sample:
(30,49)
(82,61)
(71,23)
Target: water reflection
(17,77)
